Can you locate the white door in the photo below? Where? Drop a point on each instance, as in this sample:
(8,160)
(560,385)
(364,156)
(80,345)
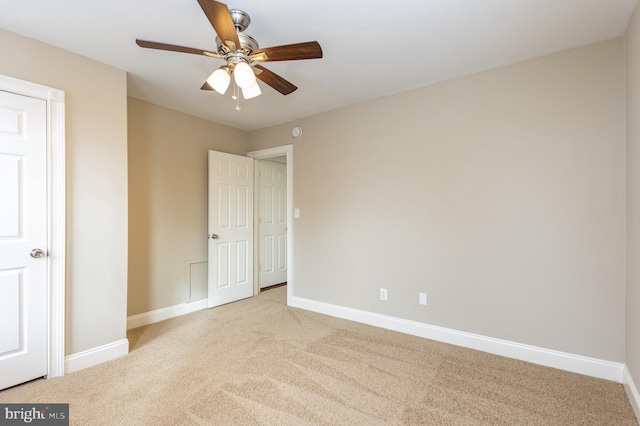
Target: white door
(23,228)
(272,222)
(230,228)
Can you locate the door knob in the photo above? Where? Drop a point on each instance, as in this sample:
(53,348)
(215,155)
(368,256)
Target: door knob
(37,253)
(214,236)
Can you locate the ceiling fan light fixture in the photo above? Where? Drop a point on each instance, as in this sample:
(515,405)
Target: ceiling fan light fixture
(219,80)
(243,75)
(240,51)
(251,91)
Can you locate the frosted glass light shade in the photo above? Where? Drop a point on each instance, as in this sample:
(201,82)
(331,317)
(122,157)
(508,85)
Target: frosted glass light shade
(219,80)
(244,76)
(251,91)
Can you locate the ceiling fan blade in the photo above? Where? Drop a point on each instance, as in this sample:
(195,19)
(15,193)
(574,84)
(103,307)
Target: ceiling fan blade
(275,81)
(220,18)
(291,52)
(174,48)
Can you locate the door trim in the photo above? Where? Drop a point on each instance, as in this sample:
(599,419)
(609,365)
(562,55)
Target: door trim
(56,214)
(264,154)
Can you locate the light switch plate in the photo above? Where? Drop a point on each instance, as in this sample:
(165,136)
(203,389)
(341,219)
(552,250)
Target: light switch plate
(423,298)
(296,213)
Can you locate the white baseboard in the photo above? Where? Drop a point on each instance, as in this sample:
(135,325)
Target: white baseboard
(158,315)
(95,356)
(632,392)
(550,358)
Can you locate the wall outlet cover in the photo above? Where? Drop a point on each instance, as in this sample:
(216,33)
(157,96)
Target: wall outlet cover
(383,294)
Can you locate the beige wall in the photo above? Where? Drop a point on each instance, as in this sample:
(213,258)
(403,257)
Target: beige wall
(96,155)
(633,198)
(501,195)
(168,199)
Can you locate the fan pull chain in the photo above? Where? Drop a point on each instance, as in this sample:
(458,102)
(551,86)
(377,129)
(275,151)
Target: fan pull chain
(235,96)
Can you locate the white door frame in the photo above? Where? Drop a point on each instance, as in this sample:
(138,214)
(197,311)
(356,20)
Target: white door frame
(56,208)
(264,154)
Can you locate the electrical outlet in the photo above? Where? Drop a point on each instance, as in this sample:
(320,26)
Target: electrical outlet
(423,298)
(383,294)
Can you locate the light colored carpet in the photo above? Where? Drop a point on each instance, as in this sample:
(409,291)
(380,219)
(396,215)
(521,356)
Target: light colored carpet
(259,362)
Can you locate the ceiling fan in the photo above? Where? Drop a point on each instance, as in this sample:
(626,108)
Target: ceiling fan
(241,52)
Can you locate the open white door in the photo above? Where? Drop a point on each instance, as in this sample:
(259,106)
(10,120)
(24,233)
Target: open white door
(230,228)
(23,239)
(272,222)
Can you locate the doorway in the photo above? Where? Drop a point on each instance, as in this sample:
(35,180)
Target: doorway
(283,154)
(271,208)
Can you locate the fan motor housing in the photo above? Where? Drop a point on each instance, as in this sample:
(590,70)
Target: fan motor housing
(248,44)
(240,19)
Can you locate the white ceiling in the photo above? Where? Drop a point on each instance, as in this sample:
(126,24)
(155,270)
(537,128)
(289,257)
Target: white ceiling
(371,48)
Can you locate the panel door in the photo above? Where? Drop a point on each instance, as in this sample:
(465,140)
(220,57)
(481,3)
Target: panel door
(230,247)
(273,223)
(23,228)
